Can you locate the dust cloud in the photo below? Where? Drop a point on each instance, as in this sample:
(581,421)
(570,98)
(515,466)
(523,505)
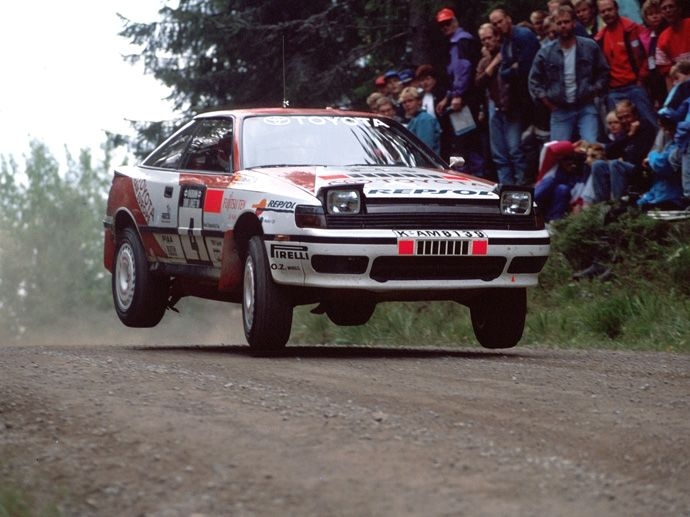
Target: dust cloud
(199,322)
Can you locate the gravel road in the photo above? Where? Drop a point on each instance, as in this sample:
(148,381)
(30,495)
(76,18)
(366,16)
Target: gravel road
(211,430)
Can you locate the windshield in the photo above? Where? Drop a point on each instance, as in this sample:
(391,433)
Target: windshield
(329,140)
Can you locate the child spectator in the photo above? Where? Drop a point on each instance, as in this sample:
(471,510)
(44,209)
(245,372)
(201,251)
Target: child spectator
(420,123)
(666,192)
(614,128)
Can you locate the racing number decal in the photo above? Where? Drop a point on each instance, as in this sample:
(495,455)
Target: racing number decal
(190,221)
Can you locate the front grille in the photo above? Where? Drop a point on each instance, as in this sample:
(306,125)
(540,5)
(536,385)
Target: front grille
(429,247)
(440,216)
(437,268)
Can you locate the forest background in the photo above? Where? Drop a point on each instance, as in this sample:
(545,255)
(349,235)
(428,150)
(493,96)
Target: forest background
(212,53)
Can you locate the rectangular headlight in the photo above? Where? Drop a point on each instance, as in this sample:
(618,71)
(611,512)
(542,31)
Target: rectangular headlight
(343,201)
(516,202)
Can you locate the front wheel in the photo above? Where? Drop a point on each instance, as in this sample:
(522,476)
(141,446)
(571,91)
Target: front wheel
(266,307)
(498,317)
(140,297)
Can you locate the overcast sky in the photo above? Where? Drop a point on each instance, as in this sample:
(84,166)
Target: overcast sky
(63,79)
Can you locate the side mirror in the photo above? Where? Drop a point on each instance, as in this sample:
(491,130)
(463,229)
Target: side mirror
(457,162)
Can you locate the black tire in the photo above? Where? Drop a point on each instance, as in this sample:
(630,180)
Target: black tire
(266,307)
(140,297)
(351,312)
(498,317)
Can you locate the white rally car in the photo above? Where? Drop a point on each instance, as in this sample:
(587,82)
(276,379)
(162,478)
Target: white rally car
(274,208)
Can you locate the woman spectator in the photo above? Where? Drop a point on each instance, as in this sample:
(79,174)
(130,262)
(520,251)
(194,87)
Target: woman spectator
(654,23)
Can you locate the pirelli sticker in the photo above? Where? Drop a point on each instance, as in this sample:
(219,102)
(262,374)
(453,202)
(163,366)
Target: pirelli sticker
(442,243)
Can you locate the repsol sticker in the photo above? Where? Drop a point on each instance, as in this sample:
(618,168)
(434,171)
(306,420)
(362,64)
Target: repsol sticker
(289,252)
(281,206)
(427,192)
(274,205)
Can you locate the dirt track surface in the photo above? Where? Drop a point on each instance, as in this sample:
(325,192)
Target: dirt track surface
(181,431)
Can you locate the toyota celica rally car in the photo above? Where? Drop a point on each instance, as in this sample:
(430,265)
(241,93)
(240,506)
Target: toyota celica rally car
(274,208)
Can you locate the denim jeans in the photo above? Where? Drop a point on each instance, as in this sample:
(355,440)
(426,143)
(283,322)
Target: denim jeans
(685,170)
(506,150)
(565,122)
(638,96)
(553,198)
(610,179)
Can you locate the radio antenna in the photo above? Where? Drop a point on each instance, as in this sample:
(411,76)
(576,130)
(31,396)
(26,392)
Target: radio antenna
(286,102)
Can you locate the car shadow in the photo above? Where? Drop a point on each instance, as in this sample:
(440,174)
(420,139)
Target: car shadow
(350,352)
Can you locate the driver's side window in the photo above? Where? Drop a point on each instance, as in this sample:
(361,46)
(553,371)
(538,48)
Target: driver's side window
(211,147)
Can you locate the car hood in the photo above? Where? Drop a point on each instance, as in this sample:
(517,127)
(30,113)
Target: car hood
(383,182)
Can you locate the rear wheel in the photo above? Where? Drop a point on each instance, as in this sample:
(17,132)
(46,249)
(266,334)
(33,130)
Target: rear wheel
(266,306)
(140,297)
(498,317)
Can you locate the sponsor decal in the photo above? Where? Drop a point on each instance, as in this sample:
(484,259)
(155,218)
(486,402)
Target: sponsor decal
(192,196)
(171,245)
(274,205)
(480,247)
(260,207)
(141,192)
(281,206)
(213,201)
(332,177)
(276,266)
(427,192)
(231,203)
(406,247)
(166,217)
(324,121)
(290,252)
(302,179)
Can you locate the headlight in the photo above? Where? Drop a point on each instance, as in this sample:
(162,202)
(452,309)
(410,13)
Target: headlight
(343,202)
(516,202)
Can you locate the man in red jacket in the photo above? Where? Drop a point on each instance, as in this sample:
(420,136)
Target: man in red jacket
(673,44)
(620,42)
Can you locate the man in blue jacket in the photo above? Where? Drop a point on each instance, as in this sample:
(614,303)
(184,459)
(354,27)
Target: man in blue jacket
(566,77)
(462,95)
(518,48)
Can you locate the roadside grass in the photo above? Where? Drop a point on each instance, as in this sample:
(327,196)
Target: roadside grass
(15,502)
(644,305)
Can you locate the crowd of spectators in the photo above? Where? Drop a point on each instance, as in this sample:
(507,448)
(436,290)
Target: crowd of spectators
(588,101)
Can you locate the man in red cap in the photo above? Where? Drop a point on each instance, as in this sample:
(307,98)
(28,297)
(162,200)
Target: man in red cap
(462,95)
(380,84)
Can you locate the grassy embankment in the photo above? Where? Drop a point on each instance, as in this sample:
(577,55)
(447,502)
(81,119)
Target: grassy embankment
(644,305)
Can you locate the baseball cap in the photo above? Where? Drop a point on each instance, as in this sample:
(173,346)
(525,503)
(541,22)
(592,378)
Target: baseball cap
(444,15)
(406,76)
(391,74)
